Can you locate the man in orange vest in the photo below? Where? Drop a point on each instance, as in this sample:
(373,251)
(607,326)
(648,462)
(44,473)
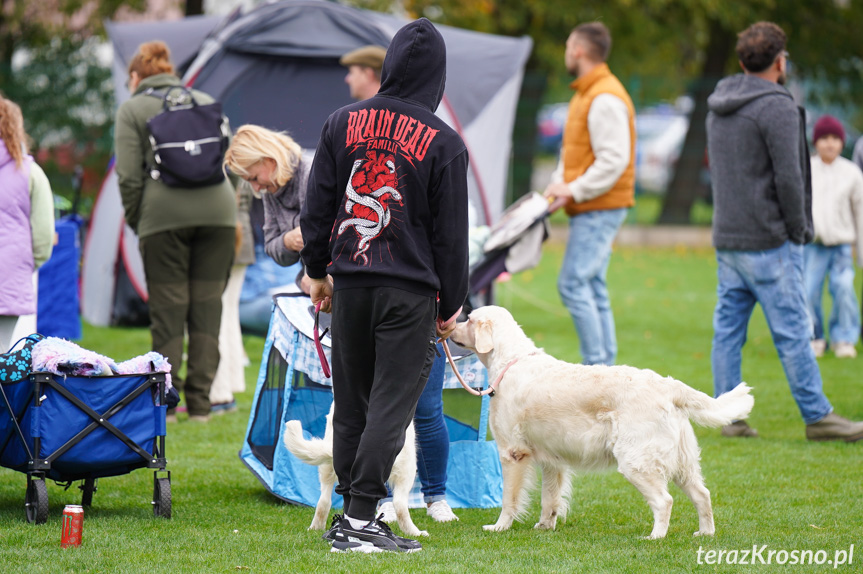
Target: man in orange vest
(596,174)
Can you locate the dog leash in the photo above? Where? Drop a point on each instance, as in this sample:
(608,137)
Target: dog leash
(491,388)
(318,346)
(489,391)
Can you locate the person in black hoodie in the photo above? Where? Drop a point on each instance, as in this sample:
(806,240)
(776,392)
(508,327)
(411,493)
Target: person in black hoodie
(386,218)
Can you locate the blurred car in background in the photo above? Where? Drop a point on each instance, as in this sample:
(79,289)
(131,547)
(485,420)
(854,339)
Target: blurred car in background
(549,127)
(660,133)
(661,130)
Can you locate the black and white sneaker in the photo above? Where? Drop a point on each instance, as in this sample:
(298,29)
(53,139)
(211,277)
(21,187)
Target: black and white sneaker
(330,534)
(375,536)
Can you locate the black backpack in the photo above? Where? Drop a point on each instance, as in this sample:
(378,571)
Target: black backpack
(188,139)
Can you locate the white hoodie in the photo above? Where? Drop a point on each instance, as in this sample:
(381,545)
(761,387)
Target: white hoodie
(837,203)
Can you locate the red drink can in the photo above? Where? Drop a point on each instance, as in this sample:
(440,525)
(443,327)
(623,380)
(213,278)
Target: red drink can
(73,526)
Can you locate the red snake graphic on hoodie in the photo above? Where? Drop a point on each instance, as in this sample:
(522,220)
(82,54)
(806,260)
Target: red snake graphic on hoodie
(372,184)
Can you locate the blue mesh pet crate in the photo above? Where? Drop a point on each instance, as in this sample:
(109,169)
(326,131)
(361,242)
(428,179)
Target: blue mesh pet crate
(291,386)
(74,428)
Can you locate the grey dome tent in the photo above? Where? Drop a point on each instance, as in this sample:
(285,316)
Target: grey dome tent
(277,65)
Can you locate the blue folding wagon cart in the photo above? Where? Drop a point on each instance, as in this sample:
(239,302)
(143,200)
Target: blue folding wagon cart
(76,428)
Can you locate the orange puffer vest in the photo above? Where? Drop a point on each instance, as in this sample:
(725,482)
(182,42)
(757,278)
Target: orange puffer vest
(576,150)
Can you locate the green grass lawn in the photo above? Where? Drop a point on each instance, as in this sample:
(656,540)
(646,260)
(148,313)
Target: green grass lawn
(778,491)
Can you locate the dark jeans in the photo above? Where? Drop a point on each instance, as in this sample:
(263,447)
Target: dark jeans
(383,350)
(187,270)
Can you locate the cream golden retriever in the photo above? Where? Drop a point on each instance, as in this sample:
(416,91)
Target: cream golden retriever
(565,417)
(319,452)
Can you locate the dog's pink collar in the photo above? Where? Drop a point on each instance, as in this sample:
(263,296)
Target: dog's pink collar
(492,387)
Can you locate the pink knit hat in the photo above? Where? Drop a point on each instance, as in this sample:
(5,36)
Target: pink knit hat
(828,125)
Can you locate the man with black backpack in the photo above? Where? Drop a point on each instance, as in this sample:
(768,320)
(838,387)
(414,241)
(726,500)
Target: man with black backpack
(169,143)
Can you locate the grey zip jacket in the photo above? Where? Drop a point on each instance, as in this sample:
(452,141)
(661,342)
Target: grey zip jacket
(759,166)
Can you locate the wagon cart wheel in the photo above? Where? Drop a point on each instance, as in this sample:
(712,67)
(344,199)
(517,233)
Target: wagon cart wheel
(36,503)
(87,490)
(162,498)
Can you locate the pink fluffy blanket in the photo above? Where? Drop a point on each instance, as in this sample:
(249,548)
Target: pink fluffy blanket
(62,357)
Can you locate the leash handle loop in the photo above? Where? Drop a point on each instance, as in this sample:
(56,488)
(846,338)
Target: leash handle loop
(318,346)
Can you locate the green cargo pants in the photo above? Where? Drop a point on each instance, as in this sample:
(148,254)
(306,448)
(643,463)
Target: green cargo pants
(187,270)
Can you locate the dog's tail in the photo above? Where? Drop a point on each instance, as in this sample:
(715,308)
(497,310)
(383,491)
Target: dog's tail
(315,451)
(709,412)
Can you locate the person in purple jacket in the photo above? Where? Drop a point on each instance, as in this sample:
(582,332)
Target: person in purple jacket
(26,222)
(386,217)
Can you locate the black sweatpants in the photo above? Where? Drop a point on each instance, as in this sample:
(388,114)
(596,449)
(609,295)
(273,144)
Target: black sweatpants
(187,270)
(383,349)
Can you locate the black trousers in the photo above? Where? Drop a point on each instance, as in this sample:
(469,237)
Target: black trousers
(187,270)
(383,349)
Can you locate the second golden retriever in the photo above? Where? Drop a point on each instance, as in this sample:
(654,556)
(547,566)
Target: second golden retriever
(319,452)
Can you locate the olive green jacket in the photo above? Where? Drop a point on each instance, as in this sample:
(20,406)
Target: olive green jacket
(151,206)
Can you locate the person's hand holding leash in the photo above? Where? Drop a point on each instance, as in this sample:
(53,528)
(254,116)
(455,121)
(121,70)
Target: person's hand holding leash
(445,328)
(322,291)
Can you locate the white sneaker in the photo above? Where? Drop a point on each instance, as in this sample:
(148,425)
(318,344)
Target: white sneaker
(844,351)
(388,511)
(818,347)
(440,511)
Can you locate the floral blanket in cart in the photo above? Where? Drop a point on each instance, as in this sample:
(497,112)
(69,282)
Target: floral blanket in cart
(62,357)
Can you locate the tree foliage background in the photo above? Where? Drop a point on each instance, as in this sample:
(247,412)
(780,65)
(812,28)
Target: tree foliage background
(64,91)
(661,50)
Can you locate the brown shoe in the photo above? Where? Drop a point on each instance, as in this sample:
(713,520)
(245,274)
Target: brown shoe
(199,418)
(739,428)
(834,427)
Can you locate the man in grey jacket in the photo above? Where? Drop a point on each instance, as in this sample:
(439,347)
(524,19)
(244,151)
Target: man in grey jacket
(762,217)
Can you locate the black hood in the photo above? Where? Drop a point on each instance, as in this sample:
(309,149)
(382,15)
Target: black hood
(415,65)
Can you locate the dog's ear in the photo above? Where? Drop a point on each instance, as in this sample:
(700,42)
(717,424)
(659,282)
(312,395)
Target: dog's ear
(483,338)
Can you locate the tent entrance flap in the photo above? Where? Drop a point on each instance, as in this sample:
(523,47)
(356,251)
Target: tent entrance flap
(264,430)
(292,386)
